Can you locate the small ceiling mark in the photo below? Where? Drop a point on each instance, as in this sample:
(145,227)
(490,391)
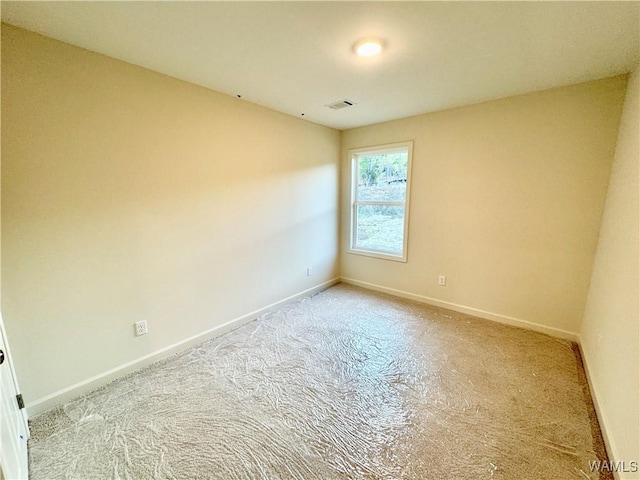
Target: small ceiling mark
(239,96)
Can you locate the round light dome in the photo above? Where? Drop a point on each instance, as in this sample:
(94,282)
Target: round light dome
(368,48)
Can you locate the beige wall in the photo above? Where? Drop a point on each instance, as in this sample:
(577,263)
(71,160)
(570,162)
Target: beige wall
(506,201)
(129,195)
(611,330)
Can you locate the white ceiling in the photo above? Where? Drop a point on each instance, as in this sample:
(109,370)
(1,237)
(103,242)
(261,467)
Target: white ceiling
(296,57)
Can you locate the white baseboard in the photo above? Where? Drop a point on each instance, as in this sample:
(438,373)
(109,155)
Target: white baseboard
(496,317)
(56,398)
(47,402)
(604,426)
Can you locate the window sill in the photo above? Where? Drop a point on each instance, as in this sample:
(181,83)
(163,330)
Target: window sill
(380,255)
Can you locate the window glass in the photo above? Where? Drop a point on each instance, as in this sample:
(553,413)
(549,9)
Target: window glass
(380,227)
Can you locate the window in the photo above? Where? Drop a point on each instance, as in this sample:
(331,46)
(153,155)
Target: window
(380,179)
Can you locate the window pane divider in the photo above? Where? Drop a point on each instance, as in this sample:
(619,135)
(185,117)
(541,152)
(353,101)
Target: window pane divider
(375,202)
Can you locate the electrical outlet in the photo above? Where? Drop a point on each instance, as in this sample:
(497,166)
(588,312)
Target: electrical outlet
(309,271)
(141,328)
(442,280)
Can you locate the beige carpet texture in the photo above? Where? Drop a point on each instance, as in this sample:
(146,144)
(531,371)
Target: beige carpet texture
(347,384)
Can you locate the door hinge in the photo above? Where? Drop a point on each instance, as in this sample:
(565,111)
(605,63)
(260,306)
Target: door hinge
(20,401)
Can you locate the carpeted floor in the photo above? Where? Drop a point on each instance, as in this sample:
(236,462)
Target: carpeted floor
(348,384)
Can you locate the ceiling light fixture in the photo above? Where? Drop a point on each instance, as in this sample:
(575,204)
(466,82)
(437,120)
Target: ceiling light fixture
(369,47)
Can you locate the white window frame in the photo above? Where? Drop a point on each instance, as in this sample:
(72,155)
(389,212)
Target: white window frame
(353,156)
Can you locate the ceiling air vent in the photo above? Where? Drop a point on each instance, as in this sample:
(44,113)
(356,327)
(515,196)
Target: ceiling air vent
(340,104)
